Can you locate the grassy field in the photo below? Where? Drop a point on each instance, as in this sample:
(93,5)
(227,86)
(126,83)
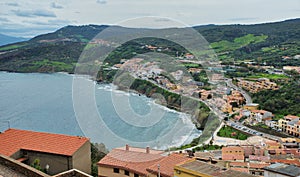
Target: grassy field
(207,147)
(224,45)
(10,47)
(230,132)
(48,66)
(269,76)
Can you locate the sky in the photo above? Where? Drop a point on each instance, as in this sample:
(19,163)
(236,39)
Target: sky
(28,18)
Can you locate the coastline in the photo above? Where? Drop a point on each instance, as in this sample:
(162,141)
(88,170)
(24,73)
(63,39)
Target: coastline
(179,115)
(184,140)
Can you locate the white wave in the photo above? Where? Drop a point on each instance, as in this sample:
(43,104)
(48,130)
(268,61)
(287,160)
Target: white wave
(179,141)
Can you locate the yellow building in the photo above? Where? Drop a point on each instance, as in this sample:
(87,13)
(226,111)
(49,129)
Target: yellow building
(290,124)
(251,107)
(202,169)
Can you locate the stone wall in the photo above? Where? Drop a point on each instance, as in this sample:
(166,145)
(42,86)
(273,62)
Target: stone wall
(20,167)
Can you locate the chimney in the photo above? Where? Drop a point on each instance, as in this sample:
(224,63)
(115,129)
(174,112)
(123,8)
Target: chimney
(127,147)
(147,149)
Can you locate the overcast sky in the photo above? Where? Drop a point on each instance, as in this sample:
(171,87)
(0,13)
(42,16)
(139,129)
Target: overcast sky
(29,18)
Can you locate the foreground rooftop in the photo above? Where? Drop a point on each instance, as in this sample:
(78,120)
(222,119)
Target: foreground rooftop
(14,140)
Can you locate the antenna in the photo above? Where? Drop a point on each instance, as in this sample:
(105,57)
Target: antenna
(158,168)
(8,124)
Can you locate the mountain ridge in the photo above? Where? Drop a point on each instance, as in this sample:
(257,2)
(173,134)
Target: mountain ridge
(60,50)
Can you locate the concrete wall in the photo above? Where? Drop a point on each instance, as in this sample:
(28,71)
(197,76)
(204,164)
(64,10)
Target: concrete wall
(57,163)
(82,158)
(109,172)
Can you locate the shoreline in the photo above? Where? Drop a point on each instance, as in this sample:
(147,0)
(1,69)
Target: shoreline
(181,140)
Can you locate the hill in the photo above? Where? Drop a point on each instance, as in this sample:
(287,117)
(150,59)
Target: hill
(4,39)
(60,50)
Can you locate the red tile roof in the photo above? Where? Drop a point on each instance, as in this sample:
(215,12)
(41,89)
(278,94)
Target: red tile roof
(13,140)
(290,162)
(136,149)
(259,111)
(134,161)
(167,164)
(291,117)
(272,143)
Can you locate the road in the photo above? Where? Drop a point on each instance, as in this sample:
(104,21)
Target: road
(221,115)
(250,131)
(244,93)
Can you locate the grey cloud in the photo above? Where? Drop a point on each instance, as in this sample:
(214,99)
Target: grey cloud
(3,19)
(28,32)
(34,13)
(101,1)
(51,23)
(12,4)
(56,6)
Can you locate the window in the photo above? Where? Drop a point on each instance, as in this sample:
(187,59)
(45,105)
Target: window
(116,170)
(136,175)
(126,172)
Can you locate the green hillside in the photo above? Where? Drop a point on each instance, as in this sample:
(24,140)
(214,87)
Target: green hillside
(60,50)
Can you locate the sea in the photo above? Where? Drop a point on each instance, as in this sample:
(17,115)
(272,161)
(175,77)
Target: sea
(53,103)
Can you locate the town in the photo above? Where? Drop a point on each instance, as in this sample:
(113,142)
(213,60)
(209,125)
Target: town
(249,141)
(114,88)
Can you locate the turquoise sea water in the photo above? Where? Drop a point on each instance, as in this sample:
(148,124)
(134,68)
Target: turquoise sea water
(43,102)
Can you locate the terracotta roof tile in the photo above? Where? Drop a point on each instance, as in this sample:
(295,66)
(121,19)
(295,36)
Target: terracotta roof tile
(13,140)
(134,161)
(290,162)
(291,117)
(167,164)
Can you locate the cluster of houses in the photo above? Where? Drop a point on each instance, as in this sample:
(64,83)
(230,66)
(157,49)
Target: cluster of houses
(259,85)
(233,101)
(269,158)
(257,158)
(290,124)
(176,81)
(36,154)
